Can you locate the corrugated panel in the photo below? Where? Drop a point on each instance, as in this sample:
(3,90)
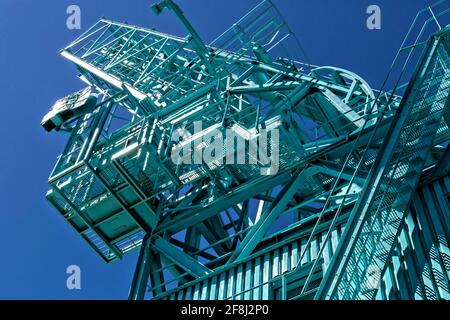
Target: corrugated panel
(253,279)
(419,269)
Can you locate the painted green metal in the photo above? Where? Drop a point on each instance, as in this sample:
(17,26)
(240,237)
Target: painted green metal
(333,209)
(417,270)
(379,213)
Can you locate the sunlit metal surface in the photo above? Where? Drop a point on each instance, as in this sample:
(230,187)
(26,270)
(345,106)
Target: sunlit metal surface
(353,206)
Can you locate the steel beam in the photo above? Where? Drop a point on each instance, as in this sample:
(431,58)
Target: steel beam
(142,272)
(258,230)
(177,256)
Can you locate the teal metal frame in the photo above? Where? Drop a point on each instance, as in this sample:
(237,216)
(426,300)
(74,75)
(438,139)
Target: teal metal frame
(354,164)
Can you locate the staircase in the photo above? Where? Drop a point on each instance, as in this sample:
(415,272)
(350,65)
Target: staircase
(377,218)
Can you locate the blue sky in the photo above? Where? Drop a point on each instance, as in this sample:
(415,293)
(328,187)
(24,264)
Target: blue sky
(36,245)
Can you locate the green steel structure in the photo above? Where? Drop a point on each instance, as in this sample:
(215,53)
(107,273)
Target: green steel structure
(346,192)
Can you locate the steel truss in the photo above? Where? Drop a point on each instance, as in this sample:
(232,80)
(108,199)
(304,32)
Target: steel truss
(350,160)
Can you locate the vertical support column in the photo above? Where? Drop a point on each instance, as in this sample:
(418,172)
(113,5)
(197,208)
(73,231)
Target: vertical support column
(142,271)
(96,131)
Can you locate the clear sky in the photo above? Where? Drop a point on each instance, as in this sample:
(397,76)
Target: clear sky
(36,244)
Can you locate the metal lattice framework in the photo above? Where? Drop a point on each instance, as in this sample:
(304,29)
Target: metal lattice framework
(335,188)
